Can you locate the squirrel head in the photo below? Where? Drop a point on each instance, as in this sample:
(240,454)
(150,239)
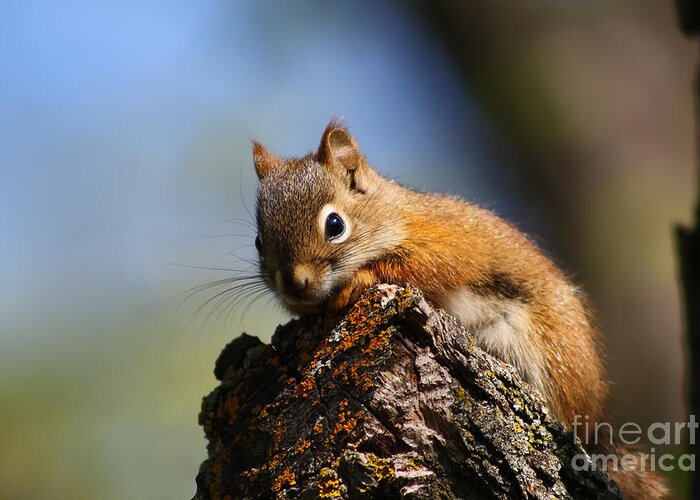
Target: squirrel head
(318,220)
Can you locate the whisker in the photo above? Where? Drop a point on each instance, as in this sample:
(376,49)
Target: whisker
(200,288)
(226,235)
(206,268)
(242,198)
(243,259)
(219,294)
(239,221)
(253,301)
(233,297)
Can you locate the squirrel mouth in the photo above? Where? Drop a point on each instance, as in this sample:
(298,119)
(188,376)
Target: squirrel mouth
(304,301)
(301,299)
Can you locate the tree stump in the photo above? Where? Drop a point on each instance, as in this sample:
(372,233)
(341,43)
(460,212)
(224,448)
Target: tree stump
(396,402)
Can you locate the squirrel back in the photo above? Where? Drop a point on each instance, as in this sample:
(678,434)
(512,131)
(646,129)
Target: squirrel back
(329,226)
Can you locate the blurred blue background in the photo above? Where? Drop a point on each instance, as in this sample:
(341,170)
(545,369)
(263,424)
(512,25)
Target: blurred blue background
(125,133)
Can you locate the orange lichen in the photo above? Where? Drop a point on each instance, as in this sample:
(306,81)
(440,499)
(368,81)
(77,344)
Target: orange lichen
(346,423)
(286,479)
(329,485)
(304,387)
(412,465)
(264,412)
(405,300)
(351,354)
(381,467)
(302,447)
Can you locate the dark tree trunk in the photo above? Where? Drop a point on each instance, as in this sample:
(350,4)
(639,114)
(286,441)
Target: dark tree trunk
(396,402)
(688,240)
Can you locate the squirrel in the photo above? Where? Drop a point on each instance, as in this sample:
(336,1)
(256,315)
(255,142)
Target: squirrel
(330,226)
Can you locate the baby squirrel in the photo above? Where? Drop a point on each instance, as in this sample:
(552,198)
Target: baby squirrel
(330,226)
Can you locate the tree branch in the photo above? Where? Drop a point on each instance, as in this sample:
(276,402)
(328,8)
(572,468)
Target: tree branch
(398,401)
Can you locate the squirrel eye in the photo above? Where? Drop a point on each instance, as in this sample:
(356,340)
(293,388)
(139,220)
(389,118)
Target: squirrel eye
(335,226)
(258,244)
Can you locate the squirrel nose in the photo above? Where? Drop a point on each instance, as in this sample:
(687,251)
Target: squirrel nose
(298,278)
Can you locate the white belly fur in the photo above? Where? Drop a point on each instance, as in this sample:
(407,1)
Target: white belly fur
(502,328)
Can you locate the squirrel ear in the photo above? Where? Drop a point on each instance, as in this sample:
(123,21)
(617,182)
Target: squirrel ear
(339,150)
(264,161)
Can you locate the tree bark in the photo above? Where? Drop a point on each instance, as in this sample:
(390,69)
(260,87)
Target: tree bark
(396,402)
(688,242)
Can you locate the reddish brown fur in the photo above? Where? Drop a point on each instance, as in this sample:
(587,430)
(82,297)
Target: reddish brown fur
(435,261)
(443,246)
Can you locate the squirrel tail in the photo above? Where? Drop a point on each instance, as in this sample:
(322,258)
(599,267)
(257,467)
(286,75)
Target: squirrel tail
(635,480)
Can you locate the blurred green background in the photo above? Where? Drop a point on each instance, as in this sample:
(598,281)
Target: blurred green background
(125,134)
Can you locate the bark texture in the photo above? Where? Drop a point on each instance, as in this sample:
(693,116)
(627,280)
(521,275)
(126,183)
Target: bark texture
(396,402)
